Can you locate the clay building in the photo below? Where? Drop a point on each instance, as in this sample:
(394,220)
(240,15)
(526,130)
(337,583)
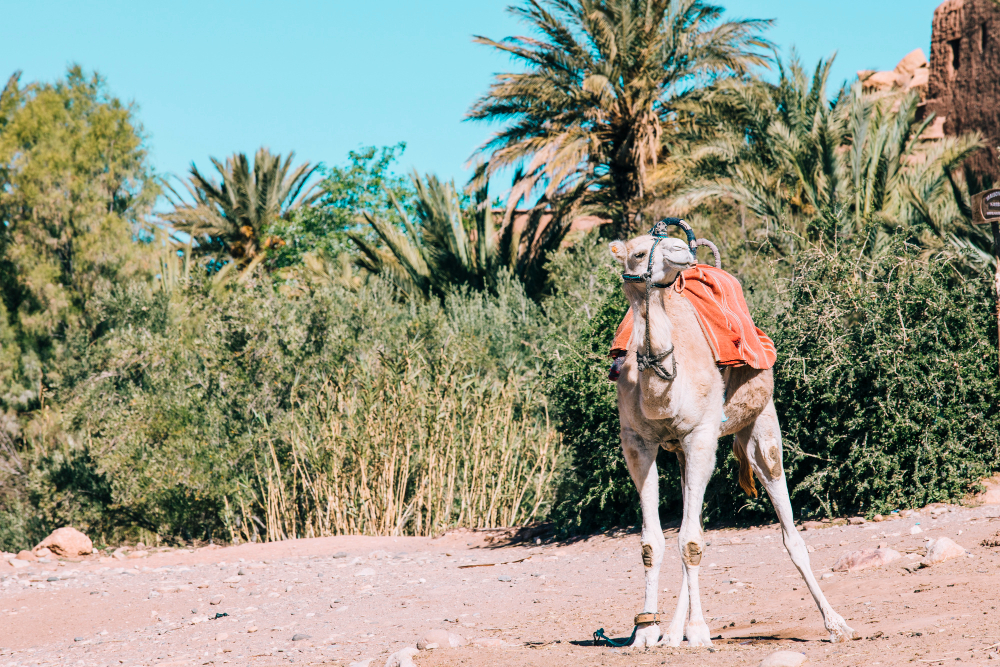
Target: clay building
(964,82)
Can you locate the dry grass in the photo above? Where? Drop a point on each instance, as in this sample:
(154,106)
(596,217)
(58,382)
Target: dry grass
(401,455)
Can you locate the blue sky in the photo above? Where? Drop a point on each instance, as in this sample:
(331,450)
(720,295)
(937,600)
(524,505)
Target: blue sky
(322,78)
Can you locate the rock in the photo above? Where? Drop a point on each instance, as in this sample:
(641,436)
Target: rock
(864,559)
(67,542)
(42,553)
(366,572)
(216,600)
(503,577)
(340,554)
(195,620)
(252,628)
(402,658)
(26,556)
(828,575)
(221,636)
(857,521)
(940,550)
(231,580)
(785,659)
(916,530)
(243,572)
(18,563)
(440,639)
(913,61)
(300,637)
(487,641)
(138,554)
(878,518)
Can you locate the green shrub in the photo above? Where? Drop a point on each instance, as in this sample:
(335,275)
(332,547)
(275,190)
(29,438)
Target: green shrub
(886,387)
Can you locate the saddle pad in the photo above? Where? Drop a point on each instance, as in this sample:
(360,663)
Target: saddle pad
(722,312)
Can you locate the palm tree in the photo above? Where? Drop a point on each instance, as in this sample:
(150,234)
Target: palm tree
(821,171)
(447,246)
(594,111)
(231,217)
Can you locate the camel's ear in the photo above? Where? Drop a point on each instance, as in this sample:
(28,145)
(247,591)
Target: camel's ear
(617,249)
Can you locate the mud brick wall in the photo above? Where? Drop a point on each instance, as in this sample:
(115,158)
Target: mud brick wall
(965,74)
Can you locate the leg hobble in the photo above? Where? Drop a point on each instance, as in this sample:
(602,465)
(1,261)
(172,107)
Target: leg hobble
(641,460)
(763,444)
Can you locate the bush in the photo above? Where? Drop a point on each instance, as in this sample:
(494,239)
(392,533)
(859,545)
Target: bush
(886,387)
(248,415)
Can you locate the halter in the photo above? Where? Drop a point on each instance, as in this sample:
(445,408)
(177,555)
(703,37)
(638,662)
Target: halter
(659,232)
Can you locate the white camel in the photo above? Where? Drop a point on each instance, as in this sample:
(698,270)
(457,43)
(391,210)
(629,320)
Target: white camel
(679,406)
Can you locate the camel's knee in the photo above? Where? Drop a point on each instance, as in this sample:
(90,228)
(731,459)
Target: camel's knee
(768,455)
(692,551)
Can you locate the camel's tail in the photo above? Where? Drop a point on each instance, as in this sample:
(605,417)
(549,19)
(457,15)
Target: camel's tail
(746,473)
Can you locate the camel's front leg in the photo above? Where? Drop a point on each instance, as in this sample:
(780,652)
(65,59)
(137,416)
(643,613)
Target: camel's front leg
(641,460)
(699,461)
(764,453)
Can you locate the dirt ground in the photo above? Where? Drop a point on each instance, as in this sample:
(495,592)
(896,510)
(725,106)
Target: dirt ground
(347,599)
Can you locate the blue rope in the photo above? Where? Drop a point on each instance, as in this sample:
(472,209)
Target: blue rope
(599,636)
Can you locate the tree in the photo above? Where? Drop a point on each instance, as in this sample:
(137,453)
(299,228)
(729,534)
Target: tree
(232,217)
(365,183)
(448,245)
(857,167)
(594,111)
(75,184)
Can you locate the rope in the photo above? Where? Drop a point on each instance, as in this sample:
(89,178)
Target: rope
(599,636)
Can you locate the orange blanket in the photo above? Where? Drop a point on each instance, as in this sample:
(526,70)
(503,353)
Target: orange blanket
(717,298)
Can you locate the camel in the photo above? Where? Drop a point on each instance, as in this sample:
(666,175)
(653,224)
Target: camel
(679,402)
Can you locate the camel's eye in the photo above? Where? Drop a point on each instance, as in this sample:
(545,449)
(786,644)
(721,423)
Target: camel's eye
(640,255)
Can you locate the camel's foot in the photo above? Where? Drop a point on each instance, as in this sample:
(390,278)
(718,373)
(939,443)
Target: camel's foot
(647,634)
(675,635)
(698,635)
(839,630)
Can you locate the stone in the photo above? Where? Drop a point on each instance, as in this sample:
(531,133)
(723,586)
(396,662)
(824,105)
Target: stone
(434,639)
(340,554)
(18,563)
(916,530)
(865,559)
(785,659)
(67,542)
(402,658)
(195,620)
(300,637)
(487,641)
(911,62)
(42,553)
(231,580)
(940,550)
(828,575)
(216,600)
(878,518)
(243,572)
(252,628)
(222,636)
(857,521)
(503,577)
(365,572)
(138,554)
(26,556)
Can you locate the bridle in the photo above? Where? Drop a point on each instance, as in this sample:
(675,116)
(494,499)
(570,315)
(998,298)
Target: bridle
(659,232)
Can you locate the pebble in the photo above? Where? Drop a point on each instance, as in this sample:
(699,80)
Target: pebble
(857,521)
(221,636)
(916,530)
(503,577)
(785,659)
(440,639)
(300,637)
(865,558)
(243,572)
(402,658)
(231,580)
(216,600)
(340,554)
(252,628)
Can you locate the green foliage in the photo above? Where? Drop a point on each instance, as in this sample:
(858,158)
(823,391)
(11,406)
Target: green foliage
(194,413)
(885,386)
(365,184)
(886,382)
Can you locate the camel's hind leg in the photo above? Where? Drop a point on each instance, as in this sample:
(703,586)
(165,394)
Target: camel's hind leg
(641,460)
(762,443)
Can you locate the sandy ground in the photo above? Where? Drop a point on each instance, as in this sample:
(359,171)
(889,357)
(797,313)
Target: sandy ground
(345,599)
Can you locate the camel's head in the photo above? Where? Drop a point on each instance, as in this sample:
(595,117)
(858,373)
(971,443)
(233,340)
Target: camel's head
(671,256)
